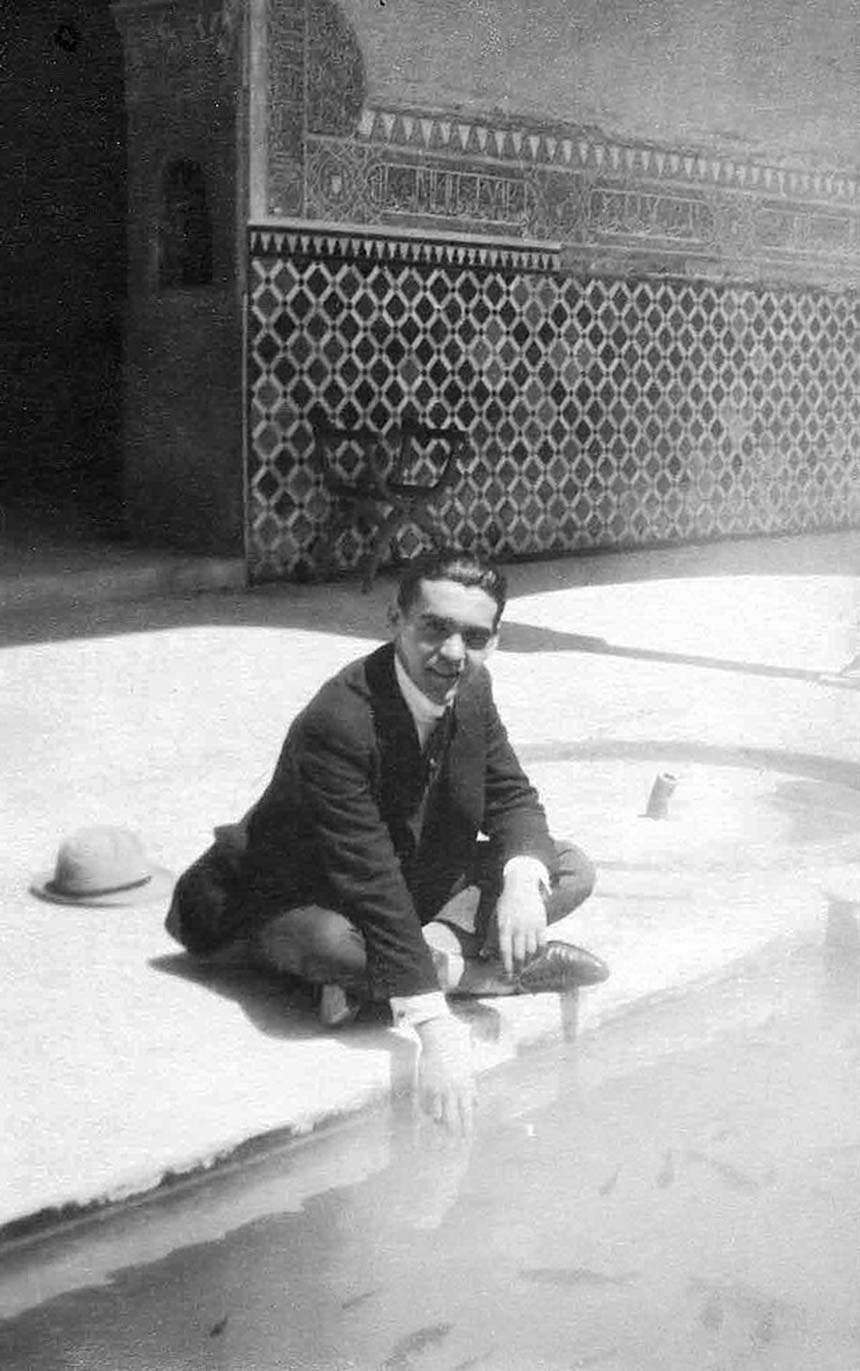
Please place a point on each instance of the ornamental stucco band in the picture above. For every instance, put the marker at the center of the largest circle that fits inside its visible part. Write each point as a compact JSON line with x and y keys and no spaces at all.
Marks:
{"x":351,"y":241}
{"x":689,"y":224}
{"x":616,"y":206}
{"x":583,"y":150}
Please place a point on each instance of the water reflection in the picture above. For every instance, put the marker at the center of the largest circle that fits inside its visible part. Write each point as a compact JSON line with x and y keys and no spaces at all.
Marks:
{"x":677,"y":1190}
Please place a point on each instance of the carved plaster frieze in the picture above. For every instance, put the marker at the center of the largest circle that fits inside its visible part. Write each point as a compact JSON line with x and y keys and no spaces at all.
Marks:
{"x":335,"y":70}
{"x":611,"y":205}
{"x":591,"y":216}
{"x":586,"y":151}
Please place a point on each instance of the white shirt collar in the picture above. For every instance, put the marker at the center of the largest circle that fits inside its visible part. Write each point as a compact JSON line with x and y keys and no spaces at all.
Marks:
{"x":424,"y":711}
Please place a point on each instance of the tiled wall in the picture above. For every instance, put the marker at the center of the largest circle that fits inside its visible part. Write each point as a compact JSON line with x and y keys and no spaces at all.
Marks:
{"x":601,"y":412}
{"x":665,"y":350}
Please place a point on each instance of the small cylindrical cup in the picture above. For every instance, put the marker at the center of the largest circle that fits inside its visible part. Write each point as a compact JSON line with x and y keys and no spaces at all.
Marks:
{"x":661,"y":792}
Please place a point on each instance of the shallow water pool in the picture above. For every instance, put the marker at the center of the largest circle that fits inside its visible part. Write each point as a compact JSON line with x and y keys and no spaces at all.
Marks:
{"x":681,"y":1190}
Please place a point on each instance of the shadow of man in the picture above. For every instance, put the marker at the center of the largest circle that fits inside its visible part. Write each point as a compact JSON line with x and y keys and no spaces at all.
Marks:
{"x":284,"y":1007}
{"x":279,"y":1006}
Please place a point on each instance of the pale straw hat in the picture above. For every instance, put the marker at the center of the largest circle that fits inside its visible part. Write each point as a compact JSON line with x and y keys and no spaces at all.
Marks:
{"x":103,"y":866}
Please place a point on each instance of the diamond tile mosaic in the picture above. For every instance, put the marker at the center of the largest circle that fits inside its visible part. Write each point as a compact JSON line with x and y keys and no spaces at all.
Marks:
{"x":601,"y":413}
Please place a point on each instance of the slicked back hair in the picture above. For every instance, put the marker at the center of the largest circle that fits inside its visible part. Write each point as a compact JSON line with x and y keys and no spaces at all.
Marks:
{"x":452,"y":564}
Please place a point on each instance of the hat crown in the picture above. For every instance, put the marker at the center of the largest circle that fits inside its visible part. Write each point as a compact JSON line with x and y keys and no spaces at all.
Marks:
{"x":98,"y":860}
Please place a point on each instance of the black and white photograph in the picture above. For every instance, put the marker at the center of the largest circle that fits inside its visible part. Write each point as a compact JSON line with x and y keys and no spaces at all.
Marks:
{"x":429,"y":671}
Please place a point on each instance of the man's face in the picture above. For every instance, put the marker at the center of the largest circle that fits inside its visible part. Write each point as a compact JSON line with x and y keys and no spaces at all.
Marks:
{"x":448,"y":631}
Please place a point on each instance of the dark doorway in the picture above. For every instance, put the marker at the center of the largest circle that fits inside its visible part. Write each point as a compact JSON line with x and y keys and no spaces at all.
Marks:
{"x":185,"y":229}
{"x":63,"y":264}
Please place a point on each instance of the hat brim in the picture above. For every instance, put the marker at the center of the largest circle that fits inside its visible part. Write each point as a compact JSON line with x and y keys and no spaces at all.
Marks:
{"x":158,"y":887}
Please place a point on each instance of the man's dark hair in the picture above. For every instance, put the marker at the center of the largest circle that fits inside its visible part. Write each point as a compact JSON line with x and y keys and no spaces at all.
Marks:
{"x":452,"y":564}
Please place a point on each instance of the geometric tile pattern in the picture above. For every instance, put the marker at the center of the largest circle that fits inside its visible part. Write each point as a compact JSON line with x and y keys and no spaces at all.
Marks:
{"x":600,"y":412}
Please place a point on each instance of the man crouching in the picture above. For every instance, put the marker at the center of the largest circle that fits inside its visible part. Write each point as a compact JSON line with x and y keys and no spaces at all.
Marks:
{"x":397,"y":800}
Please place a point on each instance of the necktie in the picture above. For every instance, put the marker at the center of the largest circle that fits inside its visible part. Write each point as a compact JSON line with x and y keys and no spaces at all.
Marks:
{"x":434,"y":748}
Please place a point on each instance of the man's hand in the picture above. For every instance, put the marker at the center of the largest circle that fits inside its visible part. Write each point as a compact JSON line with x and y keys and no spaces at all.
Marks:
{"x":521,"y":920}
{"x":446,"y":1083}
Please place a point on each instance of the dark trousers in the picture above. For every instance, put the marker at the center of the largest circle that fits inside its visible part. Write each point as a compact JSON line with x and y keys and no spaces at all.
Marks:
{"x":323,"y":946}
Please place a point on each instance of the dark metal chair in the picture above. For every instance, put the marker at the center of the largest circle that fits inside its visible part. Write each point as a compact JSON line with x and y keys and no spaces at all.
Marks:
{"x":381,"y":497}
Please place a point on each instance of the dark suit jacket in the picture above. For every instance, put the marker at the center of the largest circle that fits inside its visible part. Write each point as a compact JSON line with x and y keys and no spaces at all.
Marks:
{"x":357,"y":819}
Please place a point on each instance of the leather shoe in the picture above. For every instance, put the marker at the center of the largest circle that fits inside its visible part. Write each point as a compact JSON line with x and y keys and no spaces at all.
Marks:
{"x":561,"y":966}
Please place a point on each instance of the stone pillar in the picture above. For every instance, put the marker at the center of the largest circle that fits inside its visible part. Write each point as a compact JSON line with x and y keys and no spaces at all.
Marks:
{"x":187,"y":193}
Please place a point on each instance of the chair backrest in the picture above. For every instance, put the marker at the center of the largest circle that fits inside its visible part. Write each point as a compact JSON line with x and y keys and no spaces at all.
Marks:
{"x":329,"y":437}
{"x":381,"y":475}
{"x":412,"y":431}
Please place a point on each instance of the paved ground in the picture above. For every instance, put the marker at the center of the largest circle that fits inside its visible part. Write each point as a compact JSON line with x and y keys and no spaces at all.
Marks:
{"x":121,"y":1063}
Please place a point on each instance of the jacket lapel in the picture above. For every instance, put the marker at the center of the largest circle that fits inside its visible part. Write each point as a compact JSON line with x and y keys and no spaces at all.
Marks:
{"x":400,"y":755}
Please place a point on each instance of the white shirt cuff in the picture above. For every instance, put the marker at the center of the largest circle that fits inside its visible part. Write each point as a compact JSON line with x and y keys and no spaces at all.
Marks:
{"x":411,"y":1010}
{"x":532,"y":865}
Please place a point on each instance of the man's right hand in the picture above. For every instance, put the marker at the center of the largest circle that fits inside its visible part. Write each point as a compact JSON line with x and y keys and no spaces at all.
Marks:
{"x":446,"y":1081}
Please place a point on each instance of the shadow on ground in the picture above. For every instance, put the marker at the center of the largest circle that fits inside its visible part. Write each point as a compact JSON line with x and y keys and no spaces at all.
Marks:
{"x":279,"y":1006}
{"x":814,"y":766}
{"x":284,"y":1007}
{"x":364,"y":621}
{"x":526,"y":638}
{"x":341,"y":608}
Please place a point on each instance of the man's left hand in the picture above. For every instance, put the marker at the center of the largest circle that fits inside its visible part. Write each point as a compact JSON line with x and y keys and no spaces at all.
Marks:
{"x":521,"y":920}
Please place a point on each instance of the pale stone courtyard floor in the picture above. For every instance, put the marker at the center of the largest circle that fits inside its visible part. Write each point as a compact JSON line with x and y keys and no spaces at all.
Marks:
{"x":121,"y":1063}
